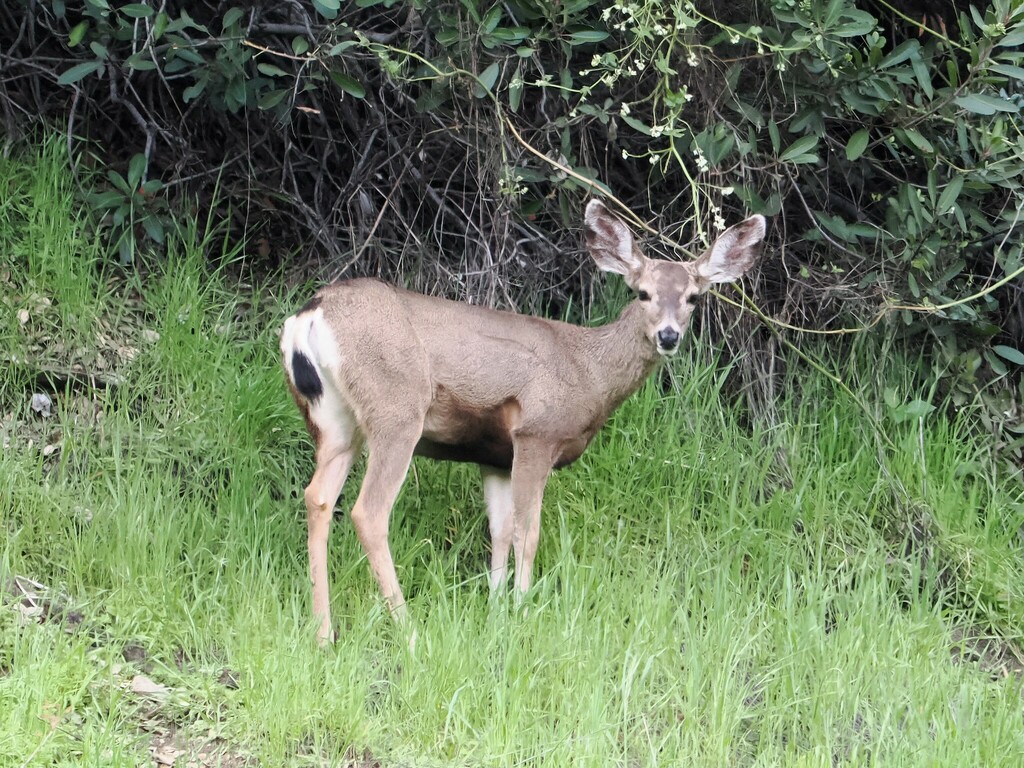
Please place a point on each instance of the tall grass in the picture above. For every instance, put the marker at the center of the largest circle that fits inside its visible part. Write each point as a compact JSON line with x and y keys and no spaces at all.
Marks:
{"x":708,"y":592}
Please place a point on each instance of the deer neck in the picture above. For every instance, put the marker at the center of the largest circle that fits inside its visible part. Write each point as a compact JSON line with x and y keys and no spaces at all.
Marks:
{"x":621,"y":355}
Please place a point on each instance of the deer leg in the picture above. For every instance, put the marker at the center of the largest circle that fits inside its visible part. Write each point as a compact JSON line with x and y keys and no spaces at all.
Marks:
{"x":530,"y":470}
{"x":332,"y":467}
{"x":498,"y":495}
{"x":386,"y":468}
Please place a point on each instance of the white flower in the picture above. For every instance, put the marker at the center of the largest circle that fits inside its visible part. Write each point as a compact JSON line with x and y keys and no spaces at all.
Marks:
{"x":700,"y":160}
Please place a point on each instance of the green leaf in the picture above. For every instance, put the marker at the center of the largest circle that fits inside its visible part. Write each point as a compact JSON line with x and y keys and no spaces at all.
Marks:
{"x":139,"y":62}
{"x":773,"y":133}
{"x":587,"y":36}
{"x":77,"y":33}
{"x":1012,"y":39}
{"x":106,"y":199}
{"x":270,"y":70}
{"x":118,"y":181}
{"x":327,"y":8}
{"x":915,"y":409}
{"x":923,"y":75}
{"x":981,"y":104}
{"x":950,"y":193}
{"x":193,"y":91}
{"x":271,"y":99}
{"x":900,"y":53}
{"x":915,"y":289}
{"x":515,"y":89}
{"x":348,"y":84}
{"x":487,"y":79}
{"x":857,"y":23}
{"x":299,"y":45}
{"x":233,"y":16}
{"x":447,"y":37}
{"x":635,"y":124}
{"x":919,"y":141}
{"x":799,"y":147}
{"x":510,"y":35}
{"x":491,"y":19}
{"x":857,"y":144}
{"x":154,"y":228}
{"x":340,"y":47}
{"x":1017,"y":73}
{"x":79,"y":71}
{"x":1009,"y":353}
{"x":136,"y":170}
{"x":136,"y":10}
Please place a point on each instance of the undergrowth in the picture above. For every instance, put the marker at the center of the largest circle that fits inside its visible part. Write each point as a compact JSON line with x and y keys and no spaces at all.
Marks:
{"x":709,"y":592}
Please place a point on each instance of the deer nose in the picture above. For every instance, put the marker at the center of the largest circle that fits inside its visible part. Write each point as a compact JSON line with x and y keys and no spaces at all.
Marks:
{"x":668,"y":339}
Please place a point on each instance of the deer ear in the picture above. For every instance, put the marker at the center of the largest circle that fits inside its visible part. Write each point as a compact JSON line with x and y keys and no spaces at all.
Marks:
{"x":733,"y":253}
{"x":611,"y":243}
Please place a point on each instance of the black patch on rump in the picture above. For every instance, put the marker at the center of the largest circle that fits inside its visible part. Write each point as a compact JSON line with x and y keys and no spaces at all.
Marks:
{"x":307,"y":380}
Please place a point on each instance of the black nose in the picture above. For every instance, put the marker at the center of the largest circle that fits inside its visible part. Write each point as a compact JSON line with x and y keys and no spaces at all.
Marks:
{"x":668,"y":338}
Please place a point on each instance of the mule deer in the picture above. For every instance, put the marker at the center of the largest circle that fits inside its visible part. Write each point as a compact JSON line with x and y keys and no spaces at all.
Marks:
{"x":405,"y":373}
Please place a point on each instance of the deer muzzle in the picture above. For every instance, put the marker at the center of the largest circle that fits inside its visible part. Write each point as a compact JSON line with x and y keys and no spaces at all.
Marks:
{"x":668,"y":340}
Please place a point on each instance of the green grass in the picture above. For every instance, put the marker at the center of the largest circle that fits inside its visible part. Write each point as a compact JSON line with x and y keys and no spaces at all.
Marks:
{"x":691,"y":608}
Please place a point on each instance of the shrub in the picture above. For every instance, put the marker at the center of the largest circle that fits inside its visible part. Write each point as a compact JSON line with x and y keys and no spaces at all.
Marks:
{"x":451,"y":144}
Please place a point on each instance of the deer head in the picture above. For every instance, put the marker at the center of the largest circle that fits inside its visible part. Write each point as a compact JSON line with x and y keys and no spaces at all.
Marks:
{"x":668,"y":290}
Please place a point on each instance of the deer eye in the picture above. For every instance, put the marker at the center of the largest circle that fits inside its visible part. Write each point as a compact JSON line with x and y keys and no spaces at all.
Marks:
{"x":692,"y":299}
{"x":644,"y":296}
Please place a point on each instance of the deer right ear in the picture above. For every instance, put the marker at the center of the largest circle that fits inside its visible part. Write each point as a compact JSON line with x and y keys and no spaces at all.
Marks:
{"x":611,"y":243}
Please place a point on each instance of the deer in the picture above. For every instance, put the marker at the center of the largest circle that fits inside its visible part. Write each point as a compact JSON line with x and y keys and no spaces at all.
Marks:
{"x":403,"y":374}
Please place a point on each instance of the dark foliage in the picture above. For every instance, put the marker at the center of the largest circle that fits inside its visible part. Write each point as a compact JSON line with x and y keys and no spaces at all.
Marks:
{"x":451,"y":145}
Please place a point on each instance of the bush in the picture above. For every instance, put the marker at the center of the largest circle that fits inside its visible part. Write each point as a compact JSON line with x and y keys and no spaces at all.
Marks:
{"x":450,"y":145}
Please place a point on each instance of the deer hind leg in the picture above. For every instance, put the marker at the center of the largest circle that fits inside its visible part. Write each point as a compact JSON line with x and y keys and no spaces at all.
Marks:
{"x":386,"y":468}
{"x":338,"y":446}
{"x":498,"y":495}
{"x":531,"y":467}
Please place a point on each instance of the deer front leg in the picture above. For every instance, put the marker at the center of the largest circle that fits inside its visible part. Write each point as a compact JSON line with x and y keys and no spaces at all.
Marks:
{"x":498,"y":495}
{"x":332,"y":467}
{"x":531,"y":466}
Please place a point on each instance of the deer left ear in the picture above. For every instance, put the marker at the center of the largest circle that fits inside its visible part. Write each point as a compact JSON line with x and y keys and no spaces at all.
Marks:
{"x":733,"y":253}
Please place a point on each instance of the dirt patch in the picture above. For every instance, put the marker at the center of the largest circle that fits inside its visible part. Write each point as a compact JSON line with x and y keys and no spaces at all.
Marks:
{"x":995,"y":655}
{"x":170,"y":745}
{"x":156,"y":705}
{"x":37,"y":603}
